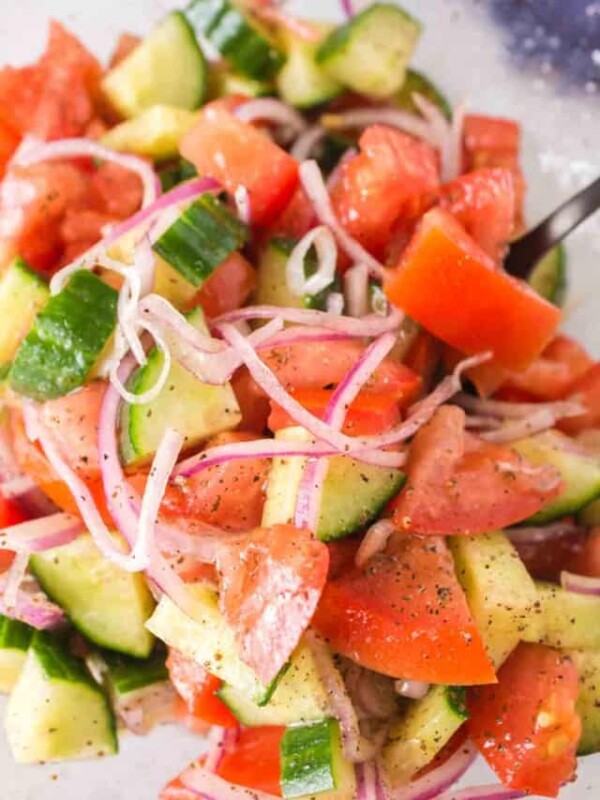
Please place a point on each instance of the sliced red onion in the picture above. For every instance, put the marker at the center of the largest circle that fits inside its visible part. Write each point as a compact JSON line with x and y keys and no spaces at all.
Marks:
{"x":434,"y":783}
{"x":494,"y":792}
{"x":161,"y":311}
{"x":581,"y":584}
{"x":337,"y":172}
{"x":13,"y":578}
{"x":441,"y":130}
{"x":38,"y":535}
{"x":384,"y":115}
{"x":322,"y":240}
{"x":15,"y":487}
{"x":242,"y":204}
{"x":546,"y":533}
{"x":348,"y":9}
{"x":367,"y":327}
{"x":211,"y":787}
{"x":30,"y":605}
{"x":148,"y":707}
{"x":87,"y":148}
{"x":414,"y":690}
{"x":307,"y":141}
{"x":356,"y":291}
{"x":538,"y":422}
{"x":269,"y":109}
{"x":374,"y":541}
{"x":475,"y":422}
{"x":221,"y":742}
{"x":502,"y":408}
{"x":335,"y":303}
{"x":314,"y":186}
{"x":366,"y":777}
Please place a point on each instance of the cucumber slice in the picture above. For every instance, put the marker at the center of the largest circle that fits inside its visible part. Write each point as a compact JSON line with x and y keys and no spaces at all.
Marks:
{"x":568,"y":620}
{"x":549,"y":278}
{"x":175,"y":173}
{"x":22,"y":294}
{"x":312,"y":762}
{"x":353,"y":493}
{"x":426,"y":727}
{"x":15,"y":638}
{"x":272,"y":288}
{"x":588,"y":702}
{"x":109,"y":606}
{"x":167,"y":67}
{"x":200,"y":239}
{"x":370,"y":53}
{"x":298,"y":697}
{"x":500,"y":592}
{"x":417,"y":83}
{"x":127,"y":675}
{"x":56,"y":711}
{"x":67,"y":337}
{"x":237,"y":36}
{"x":580,"y":473}
{"x":197,"y":409}
{"x":224,"y":82}
{"x":301,"y":82}
{"x":154,"y":133}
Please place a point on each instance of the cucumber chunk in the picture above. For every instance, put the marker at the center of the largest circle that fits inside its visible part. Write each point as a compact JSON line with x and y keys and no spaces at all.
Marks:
{"x":418,"y":83}
{"x":67,"y":337}
{"x":588,"y":702}
{"x":549,"y":278}
{"x":237,"y":36}
{"x":370,"y":53}
{"x":224,"y":82}
{"x":200,"y":239}
{"x":15,"y":638}
{"x":313,"y":763}
{"x":154,"y":133}
{"x":108,"y":605}
{"x":22,"y":294}
{"x":425,"y":728}
{"x":353,"y":493}
{"x":301,"y":82}
{"x":580,"y":473}
{"x":500,"y":592}
{"x":56,"y":711}
{"x":167,"y":67}
{"x":198,"y":410}
{"x":567,"y":619}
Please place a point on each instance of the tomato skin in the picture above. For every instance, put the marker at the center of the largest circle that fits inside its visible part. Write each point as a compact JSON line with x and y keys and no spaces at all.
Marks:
{"x":405,"y":615}
{"x":368,"y":415}
{"x":253,"y":402}
{"x":393,"y":176}
{"x":236,"y":153}
{"x":586,"y":389}
{"x":10,"y":514}
{"x":533,"y":753}
{"x":197,"y":688}
{"x":296,"y":219}
{"x":484,"y":203}
{"x":228,"y":287}
{"x":462,"y":303}
{"x":454,"y":485}
{"x":424,"y":357}
{"x":271,"y":582}
{"x":229,"y":495}
{"x":119,"y":190}
{"x":322,"y":365}
{"x":126,"y":44}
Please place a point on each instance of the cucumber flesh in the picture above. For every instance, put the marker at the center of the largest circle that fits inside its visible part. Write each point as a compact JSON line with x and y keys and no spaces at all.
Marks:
{"x":313,"y":763}
{"x":224,"y":82}
{"x":197,"y":409}
{"x":580,"y":473}
{"x":166,"y":68}
{"x":154,"y":133}
{"x":15,"y":638}
{"x":353,"y":493}
{"x":241,"y":40}
{"x":370,"y":53}
{"x":67,"y":338}
{"x":56,"y":711}
{"x":588,"y":702}
{"x":106,"y":604}
{"x":425,"y":728}
{"x":22,"y":294}
{"x":418,"y":83}
{"x":301,"y":82}
{"x":549,"y":278}
{"x":567,"y":619}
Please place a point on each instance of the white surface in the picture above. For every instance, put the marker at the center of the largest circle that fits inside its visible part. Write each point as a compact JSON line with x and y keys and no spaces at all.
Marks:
{"x":465,"y":56}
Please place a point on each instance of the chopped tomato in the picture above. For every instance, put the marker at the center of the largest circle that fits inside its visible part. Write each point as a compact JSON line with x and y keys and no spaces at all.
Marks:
{"x":526,"y":726}
{"x":198,"y":688}
{"x":369,"y":414}
{"x":394,"y":176}
{"x":126,"y":44}
{"x":229,"y":495}
{"x":587,"y":560}
{"x":484,"y":203}
{"x":83,"y":226}
{"x":238,"y":154}
{"x":586,"y":389}
{"x":405,"y":615}
{"x":459,"y":485}
{"x":6,"y":559}
{"x":424,"y":357}
{"x":10,"y":514}
{"x":228,"y":287}
{"x":271,"y":582}
{"x":449,"y":285}
{"x":119,"y":190}
{"x":9,"y":141}
{"x":322,"y":365}
{"x":254,"y":403}
{"x":296,"y":219}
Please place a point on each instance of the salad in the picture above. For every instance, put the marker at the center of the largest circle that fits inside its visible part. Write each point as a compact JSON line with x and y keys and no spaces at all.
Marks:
{"x":286,"y":455}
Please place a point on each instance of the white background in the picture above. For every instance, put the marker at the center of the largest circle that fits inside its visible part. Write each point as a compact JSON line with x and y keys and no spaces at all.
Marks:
{"x":462,"y":52}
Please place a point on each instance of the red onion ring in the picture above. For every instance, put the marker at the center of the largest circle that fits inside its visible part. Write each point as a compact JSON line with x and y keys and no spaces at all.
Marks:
{"x":384,"y":115}
{"x":366,"y":778}
{"x":434,"y":783}
{"x":211,"y":787}
{"x":269,"y":109}
{"x":38,"y":535}
{"x":306,"y":142}
{"x":502,"y":408}
{"x":494,"y":792}
{"x":581,"y":584}
{"x":31,"y":606}
{"x":221,"y":742}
